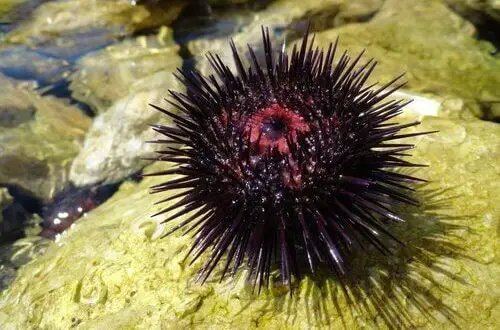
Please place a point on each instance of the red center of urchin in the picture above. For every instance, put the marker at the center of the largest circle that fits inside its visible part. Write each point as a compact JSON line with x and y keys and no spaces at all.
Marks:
{"x":273,"y":127}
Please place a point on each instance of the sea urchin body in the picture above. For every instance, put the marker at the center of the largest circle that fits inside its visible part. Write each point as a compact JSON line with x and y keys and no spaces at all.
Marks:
{"x":286,"y":164}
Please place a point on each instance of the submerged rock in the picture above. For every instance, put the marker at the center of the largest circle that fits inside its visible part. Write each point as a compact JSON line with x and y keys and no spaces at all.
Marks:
{"x":129,"y":76}
{"x":15,"y":221}
{"x":5,"y":200}
{"x":105,"y":76}
{"x":69,"y":29}
{"x":117,"y":139}
{"x":7,"y":5}
{"x":65,"y":17}
{"x":23,"y":63}
{"x":433,"y":45}
{"x":278,"y":16}
{"x":39,"y":137}
{"x":17,"y":254}
{"x":113,"y":270}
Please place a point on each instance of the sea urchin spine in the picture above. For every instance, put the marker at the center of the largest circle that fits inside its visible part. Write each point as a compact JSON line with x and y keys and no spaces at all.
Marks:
{"x":289,"y":163}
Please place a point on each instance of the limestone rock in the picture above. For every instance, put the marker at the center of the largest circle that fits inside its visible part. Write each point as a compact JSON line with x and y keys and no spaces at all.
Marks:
{"x":113,"y":270}
{"x":14,"y":255}
{"x":117,"y":139}
{"x":278,"y":16}
{"x":120,"y":82}
{"x":105,"y":76}
{"x":433,"y":45}
{"x":39,"y":137}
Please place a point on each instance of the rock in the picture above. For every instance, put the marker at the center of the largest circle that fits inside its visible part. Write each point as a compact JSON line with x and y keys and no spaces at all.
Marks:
{"x":435,"y":47}
{"x":65,"y":17}
{"x":279,"y":16}
{"x":39,"y":137}
{"x":7,"y":6}
{"x":105,"y":76}
{"x":17,"y":223}
{"x":474,"y":7}
{"x":113,"y":270}
{"x":62,"y":29}
{"x":20,"y":62}
{"x":117,"y":139}
{"x":485,"y":15}
{"x":123,"y":80}
{"x":14,"y":255}
{"x":5,"y":200}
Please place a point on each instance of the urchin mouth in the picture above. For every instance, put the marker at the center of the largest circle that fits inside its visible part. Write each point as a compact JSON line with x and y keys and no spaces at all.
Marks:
{"x":274,"y":127}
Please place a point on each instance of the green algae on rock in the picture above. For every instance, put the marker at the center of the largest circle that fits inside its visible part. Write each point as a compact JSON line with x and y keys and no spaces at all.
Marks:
{"x":7,"y":5}
{"x":278,"y":15}
{"x":27,"y":64}
{"x":5,"y":200}
{"x":17,"y":254}
{"x":113,"y":270}
{"x":107,"y":75}
{"x":39,"y":138}
{"x":116,"y":141}
{"x":433,"y":45}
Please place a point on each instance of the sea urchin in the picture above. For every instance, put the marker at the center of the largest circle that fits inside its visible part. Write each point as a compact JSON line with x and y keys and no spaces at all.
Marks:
{"x":289,"y":163}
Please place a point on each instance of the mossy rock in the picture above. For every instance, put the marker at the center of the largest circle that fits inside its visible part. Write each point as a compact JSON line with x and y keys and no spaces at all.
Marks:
{"x":434,"y":46}
{"x":112,"y":270}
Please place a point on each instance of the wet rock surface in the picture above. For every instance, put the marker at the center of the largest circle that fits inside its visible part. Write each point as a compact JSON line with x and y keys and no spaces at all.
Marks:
{"x":117,"y":139}
{"x":7,"y":7}
{"x":13,"y":256}
{"x":5,"y":200}
{"x":112,"y":268}
{"x":39,"y":137}
{"x":128,"y":77}
{"x":63,"y":30}
{"x":433,"y":45}
{"x":105,"y":76}
{"x":22,"y":63}
{"x":484,"y":14}
{"x":278,"y":16}
{"x":117,"y":17}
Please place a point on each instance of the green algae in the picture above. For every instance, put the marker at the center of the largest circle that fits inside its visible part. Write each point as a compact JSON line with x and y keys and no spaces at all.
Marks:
{"x":5,"y":200}
{"x":120,"y":81}
{"x":112,"y":270}
{"x":5,"y":8}
{"x":39,"y":137}
{"x":434,"y":46}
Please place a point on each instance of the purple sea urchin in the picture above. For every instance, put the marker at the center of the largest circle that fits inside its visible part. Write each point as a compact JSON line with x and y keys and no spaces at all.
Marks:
{"x":284,"y":162}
